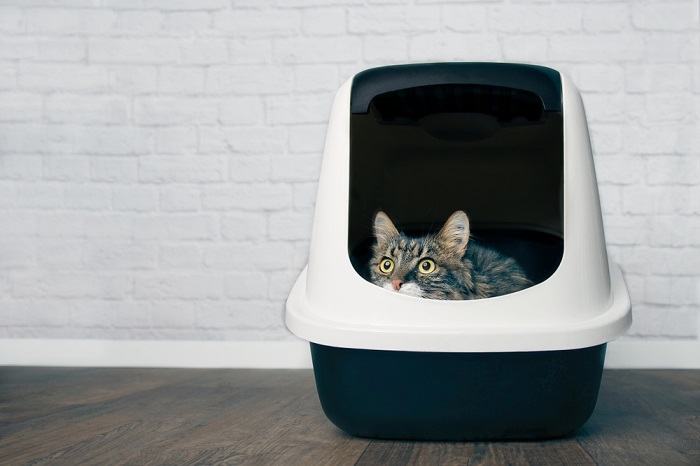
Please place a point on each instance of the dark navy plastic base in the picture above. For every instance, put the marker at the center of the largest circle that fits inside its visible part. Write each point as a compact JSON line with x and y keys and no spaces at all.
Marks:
{"x":457,"y":396}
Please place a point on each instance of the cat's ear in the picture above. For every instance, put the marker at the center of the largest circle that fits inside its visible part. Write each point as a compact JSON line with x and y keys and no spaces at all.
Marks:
{"x":454,"y":234}
{"x":384,"y":228}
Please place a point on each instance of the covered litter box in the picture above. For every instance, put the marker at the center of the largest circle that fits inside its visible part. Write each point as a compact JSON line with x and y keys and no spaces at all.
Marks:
{"x":508,"y":144}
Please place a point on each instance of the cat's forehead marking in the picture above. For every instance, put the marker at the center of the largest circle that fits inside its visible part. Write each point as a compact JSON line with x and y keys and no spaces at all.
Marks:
{"x":406,"y":250}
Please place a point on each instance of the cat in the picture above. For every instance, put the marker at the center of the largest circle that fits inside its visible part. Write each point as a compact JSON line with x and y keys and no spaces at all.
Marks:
{"x":444,"y":265}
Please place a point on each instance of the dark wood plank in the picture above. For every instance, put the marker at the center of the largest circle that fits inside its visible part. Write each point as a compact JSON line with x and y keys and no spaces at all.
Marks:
{"x":645,"y":418}
{"x":30,"y":393}
{"x":166,"y":416}
{"x":555,"y":452}
{"x":210,"y":416}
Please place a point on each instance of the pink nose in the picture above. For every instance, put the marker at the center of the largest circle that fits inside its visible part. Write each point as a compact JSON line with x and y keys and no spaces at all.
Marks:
{"x":396,"y":284}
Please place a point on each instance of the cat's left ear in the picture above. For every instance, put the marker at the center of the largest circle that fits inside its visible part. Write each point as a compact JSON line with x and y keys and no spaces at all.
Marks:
{"x":454,"y":234}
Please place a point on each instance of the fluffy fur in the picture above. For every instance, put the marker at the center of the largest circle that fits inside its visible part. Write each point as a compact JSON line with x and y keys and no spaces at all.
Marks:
{"x":463,"y":270}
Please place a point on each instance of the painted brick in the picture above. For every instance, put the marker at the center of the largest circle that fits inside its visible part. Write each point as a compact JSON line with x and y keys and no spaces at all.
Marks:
{"x":115,"y":255}
{"x":52,"y":77}
{"x":387,"y":19}
{"x":185,"y":286}
{"x":452,"y":46}
{"x":605,"y":17}
{"x":87,"y":197}
{"x":180,"y":256}
{"x":665,"y":16}
{"x":120,"y":50}
{"x":132,"y":79}
{"x":139,"y":22}
{"x":656,"y":199}
{"x":159,"y":159}
{"x":256,"y":23}
{"x":179,"y":199}
{"x":296,"y":168}
{"x":12,"y":20}
{"x":258,"y":140}
{"x":643,"y":140}
{"x":241,"y":110}
{"x":464,"y":18}
{"x":69,"y":21}
{"x":385,"y":48}
{"x":524,"y":47}
{"x":243,"y":226}
{"x":673,"y":170}
{"x":66,"y":168}
{"x":619,"y":169}
{"x":182,"y":169}
{"x":281,"y":110}
{"x":311,"y":50}
{"x":72,"y":285}
{"x":305,"y":195}
{"x":314,"y":78}
{"x":62,"y":108}
{"x":307,"y":138}
{"x":114,"y":169}
{"x":60,"y":254}
{"x":290,"y":225}
{"x":178,"y":227}
{"x":648,"y":78}
{"x":324,"y":21}
{"x":250,"y":51}
{"x":39,"y":196}
{"x":175,"y":111}
{"x":204,"y":51}
{"x":8,"y":77}
{"x":675,"y":230}
{"x":248,"y":79}
{"x":596,"y":48}
{"x":251,"y":168}
{"x":248,"y":285}
{"x":256,"y":256}
{"x":189,"y":21}
{"x":18,"y":254}
{"x":181,"y":140}
{"x":20,"y":167}
{"x":181,"y":80}
{"x":20,"y":106}
{"x":536,"y":18}
{"x":134,"y":198}
{"x":599,"y":78}
{"x":248,"y":197}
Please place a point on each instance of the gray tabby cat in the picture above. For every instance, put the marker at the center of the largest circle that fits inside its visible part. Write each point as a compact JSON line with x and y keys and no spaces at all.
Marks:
{"x":440,"y":266}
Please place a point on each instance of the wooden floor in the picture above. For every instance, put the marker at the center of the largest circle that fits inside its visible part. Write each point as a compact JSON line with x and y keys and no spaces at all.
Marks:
{"x":164,"y":416}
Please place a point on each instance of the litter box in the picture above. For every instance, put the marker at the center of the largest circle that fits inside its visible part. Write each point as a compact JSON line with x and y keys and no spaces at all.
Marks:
{"x":508,"y":144}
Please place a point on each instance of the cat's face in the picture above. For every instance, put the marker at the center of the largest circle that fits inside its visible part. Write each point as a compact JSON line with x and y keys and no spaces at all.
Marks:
{"x":427,"y":267}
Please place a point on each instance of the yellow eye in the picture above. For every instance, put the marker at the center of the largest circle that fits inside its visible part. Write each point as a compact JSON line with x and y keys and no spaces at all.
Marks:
{"x":426,"y":266}
{"x":386,"y":265}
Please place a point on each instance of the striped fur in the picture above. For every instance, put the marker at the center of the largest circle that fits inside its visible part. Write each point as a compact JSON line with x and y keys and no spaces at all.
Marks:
{"x":464,"y":270}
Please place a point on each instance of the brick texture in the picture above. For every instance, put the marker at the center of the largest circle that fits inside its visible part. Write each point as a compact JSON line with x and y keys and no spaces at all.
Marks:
{"x":159,"y":159}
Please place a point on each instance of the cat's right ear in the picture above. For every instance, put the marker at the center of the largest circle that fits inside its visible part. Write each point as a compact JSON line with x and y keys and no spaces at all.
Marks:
{"x":384,"y":228}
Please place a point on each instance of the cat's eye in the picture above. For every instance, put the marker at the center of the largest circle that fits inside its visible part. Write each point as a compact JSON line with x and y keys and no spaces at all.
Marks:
{"x":426,"y":266}
{"x":386,"y":265}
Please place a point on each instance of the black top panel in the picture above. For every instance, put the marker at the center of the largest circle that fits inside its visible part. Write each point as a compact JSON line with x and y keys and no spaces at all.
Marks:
{"x":544,"y":82}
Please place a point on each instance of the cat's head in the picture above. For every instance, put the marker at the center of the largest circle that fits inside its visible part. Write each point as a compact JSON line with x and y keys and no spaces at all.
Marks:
{"x":430,"y":266}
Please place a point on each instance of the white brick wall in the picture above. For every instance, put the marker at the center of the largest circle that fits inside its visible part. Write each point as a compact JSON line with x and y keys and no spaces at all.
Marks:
{"x":158,"y":158}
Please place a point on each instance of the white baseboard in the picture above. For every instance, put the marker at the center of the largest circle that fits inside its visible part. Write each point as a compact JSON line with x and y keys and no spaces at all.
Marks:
{"x":653,"y":354}
{"x":294,"y":354}
{"x":149,"y":353}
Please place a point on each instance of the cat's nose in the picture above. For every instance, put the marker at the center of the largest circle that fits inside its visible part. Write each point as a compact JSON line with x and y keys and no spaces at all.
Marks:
{"x":396,"y":284}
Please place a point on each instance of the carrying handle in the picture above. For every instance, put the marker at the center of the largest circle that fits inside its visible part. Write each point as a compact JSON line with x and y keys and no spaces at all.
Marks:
{"x":545,"y":82}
